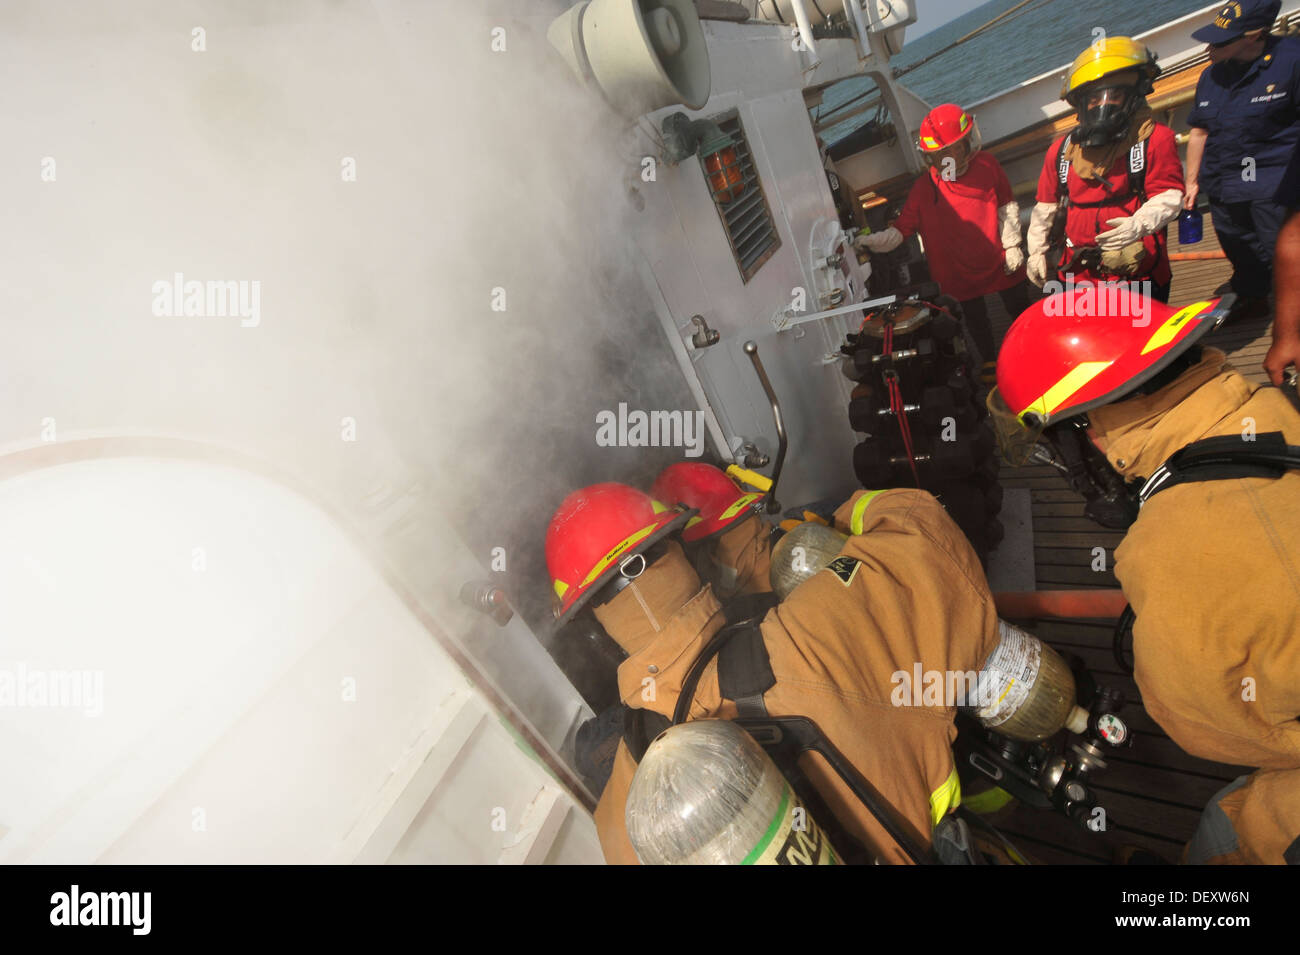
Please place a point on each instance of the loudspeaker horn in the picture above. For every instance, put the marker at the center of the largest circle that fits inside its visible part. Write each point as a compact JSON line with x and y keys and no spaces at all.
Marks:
{"x":642,"y":54}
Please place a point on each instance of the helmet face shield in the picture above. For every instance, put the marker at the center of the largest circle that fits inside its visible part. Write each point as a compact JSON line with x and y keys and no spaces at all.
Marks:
{"x":1017,"y":440}
{"x":955,"y":157}
{"x":1105,"y":108}
{"x":1108,"y":97}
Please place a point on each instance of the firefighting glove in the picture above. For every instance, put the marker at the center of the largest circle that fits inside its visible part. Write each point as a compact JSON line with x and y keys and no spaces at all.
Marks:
{"x":1156,"y":213}
{"x":1037,"y":268}
{"x":1123,"y":231}
{"x":1009,"y":235}
{"x":1040,"y":228}
{"x":885,"y":241}
{"x":1124,"y":261}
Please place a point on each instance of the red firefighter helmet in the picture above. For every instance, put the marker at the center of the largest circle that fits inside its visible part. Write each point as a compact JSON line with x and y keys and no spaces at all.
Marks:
{"x":1060,"y":359}
{"x":944,"y":129}
{"x":707,"y":489}
{"x":594,"y":530}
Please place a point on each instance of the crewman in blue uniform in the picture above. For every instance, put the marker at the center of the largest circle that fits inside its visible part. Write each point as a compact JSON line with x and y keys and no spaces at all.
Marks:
{"x":1245,"y":126}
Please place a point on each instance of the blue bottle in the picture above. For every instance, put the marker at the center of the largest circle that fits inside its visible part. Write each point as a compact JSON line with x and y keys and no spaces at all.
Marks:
{"x":1191,"y":227}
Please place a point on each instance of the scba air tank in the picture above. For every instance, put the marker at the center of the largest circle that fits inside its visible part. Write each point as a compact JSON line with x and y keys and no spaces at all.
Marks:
{"x":706,"y":794}
{"x":1026,"y":691}
{"x":801,"y":553}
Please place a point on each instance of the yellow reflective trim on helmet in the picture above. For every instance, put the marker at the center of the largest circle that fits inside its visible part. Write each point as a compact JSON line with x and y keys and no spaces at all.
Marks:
{"x":739,"y":506}
{"x":963,"y":123}
{"x":1170,"y":329}
{"x":929,"y":143}
{"x":1060,"y":392}
{"x":945,"y":799}
{"x":561,"y":588}
{"x":616,"y":551}
{"x":860,"y":507}
{"x":657,"y":507}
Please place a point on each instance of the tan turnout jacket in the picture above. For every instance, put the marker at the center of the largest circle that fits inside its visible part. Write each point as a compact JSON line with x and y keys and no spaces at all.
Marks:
{"x":913,"y":593}
{"x":1212,"y":570}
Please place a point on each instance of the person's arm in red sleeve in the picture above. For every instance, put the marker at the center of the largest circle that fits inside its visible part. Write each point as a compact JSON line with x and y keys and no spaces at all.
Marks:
{"x":1164,"y":168}
{"x":1043,"y":217}
{"x":908,"y":221}
{"x":1048,"y":177}
{"x":1164,"y":189}
{"x":1013,"y":257}
{"x":1001,"y":184}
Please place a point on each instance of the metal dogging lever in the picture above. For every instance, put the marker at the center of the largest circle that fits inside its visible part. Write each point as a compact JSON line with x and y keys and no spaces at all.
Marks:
{"x":751,"y":350}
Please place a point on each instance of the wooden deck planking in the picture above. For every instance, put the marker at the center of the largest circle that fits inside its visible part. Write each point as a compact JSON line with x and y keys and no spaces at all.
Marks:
{"x":1153,"y":792}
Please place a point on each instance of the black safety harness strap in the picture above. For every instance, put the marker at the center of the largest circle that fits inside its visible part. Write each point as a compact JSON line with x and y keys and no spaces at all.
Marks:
{"x":1137,"y":176}
{"x":786,"y":738}
{"x":744,"y":675}
{"x":747,"y":665}
{"x":744,"y":672}
{"x":1222,"y":459}
{"x":1058,"y":245}
{"x":1212,"y":459}
{"x":640,"y":727}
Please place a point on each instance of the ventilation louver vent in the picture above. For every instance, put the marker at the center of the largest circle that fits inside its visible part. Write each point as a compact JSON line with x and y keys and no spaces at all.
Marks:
{"x":742,"y":206}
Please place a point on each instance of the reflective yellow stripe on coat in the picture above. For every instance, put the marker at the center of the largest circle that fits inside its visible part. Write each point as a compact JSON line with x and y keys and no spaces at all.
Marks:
{"x":945,"y":799}
{"x":860,"y":508}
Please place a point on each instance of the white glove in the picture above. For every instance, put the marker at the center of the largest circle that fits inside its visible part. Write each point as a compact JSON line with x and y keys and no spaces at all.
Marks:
{"x":1123,"y":231}
{"x":1014,"y":259}
{"x":1009,"y":224}
{"x":1160,"y":210}
{"x":1156,"y":213}
{"x":1038,"y":269}
{"x":1040,"y":227}
{"x":885,"y":241}
{"x":1009,"y":235}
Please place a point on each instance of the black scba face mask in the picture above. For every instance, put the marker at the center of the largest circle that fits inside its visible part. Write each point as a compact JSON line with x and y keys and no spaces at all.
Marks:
{"x":1111,"y":502}
{"x":1108,"y":121}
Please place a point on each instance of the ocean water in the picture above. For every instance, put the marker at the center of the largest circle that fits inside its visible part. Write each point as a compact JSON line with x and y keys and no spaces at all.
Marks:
{"x":1042,"y":36}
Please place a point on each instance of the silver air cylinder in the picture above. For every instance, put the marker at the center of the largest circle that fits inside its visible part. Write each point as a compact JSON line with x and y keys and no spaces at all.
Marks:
{"x":801,"y":553}
{"x":706,"y":794}
{"x":1026,"y":690}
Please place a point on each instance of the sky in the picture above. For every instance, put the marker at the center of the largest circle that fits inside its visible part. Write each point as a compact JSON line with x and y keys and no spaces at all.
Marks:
{"x":932,"y":14}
